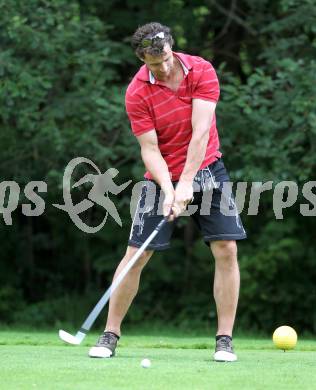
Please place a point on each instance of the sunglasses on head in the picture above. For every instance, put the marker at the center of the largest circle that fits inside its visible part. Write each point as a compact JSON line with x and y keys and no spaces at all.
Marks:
{"x":147,"y":42}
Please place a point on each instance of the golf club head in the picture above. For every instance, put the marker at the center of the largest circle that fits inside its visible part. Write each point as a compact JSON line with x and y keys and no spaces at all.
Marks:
{"x":70,"y":339}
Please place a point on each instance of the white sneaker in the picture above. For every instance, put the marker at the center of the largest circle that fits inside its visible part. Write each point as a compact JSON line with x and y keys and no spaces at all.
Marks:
{"x":224,"y":351}
{"x":100,"y":352}
{"x":105,"y":346}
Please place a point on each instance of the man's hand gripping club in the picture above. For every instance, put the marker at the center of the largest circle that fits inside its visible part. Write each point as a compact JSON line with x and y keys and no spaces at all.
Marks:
{"x":176,"y":200}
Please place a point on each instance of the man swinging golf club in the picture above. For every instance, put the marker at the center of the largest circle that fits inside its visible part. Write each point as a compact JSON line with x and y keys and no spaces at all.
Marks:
{"x":171,"y":106}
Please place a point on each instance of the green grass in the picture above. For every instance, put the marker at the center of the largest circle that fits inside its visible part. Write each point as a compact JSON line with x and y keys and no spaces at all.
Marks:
{"x":38,"y":360}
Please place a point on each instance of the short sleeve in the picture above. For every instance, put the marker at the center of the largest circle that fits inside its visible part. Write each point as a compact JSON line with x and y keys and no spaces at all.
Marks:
{"x":207,"y":85}
{"x":138,"y":114}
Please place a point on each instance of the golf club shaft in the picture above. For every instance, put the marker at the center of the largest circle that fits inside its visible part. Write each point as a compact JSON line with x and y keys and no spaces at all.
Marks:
{"x":106,"y":296}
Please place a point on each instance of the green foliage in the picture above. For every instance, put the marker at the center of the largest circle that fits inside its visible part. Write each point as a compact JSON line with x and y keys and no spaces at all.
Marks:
{"x":10,"y":302}
{"x":60,"y":91}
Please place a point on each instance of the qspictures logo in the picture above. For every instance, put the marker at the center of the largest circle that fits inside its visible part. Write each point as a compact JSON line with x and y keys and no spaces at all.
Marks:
{"x":104,"y":187}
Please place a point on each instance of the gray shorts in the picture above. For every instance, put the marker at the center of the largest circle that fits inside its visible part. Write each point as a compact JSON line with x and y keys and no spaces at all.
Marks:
{"x":213,"y":210}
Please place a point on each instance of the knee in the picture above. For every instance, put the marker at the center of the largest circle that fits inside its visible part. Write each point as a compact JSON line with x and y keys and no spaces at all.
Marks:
{"x":143,"y":259}
{"x":226,"y":249}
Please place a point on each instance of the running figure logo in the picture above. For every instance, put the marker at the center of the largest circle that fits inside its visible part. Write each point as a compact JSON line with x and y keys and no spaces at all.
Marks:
{"x":103,"y":184}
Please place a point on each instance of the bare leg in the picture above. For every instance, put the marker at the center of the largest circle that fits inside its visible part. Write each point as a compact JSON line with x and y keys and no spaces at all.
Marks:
{"x":226,"y":284}
{"x":124,"y":294}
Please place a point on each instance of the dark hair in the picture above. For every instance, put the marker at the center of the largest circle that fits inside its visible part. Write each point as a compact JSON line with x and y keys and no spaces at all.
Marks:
{"x":147,"y":32}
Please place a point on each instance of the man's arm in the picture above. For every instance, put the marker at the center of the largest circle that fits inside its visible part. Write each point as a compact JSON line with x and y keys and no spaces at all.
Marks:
{"x":202,"y":116}
{"x":157,"y":166}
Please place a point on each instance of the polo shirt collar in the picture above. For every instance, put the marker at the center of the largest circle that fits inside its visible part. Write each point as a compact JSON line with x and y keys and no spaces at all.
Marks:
{"x":145,"y":74}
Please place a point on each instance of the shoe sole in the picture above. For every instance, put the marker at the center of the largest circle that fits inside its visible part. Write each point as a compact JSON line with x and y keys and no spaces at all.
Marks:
{"x":100,"y":352}
{"x":223,"y":356}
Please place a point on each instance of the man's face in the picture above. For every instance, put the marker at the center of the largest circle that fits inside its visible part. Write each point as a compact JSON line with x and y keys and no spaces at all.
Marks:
{"x":161,"y":66}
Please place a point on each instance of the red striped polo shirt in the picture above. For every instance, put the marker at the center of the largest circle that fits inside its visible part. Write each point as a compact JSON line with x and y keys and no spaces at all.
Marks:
{"x":153,"y":106}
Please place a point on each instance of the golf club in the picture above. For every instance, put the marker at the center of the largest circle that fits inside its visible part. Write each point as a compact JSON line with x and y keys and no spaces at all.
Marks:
{"x":81,"y":334}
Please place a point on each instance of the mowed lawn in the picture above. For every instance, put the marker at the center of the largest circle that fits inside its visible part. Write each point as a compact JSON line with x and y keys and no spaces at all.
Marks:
{"x":39,"y":360}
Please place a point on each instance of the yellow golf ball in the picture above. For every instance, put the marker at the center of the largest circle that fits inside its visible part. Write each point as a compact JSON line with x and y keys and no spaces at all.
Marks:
{"x":284,"y":337}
